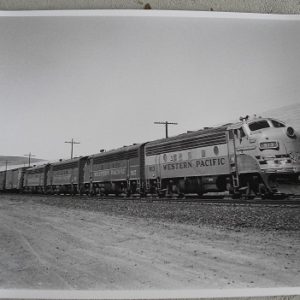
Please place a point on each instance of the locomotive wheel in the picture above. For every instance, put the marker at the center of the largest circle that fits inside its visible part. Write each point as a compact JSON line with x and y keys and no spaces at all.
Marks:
{"x":236,"y":195}
{"x":262,"y":191}
{"x":181,"y":195}
{"x":91,"y":192}
{"x":248,"y":190}
{"x":175,"y":191}
{"x":127,"y":192}
{"x":161,"y":193}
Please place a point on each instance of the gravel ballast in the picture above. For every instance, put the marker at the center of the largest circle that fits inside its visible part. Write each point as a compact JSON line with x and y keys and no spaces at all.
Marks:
{"x":229,"y":216}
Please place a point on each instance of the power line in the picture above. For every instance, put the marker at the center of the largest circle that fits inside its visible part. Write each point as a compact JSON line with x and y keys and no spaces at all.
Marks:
{"x":72,"y":142}
{"x":166,"y":123}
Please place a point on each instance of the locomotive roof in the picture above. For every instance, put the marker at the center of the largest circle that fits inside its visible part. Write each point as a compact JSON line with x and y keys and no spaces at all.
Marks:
{"x":36,"y":167}
{"x":15,"y":169}
{"x":251,"y":120}
{"x":123,"y":149}
{"x":67,"y":161}
{"x":187,"y":135}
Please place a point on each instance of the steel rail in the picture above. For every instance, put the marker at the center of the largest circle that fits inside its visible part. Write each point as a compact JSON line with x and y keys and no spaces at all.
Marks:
{"x":291,"y":200}
{"x":217,"y":200}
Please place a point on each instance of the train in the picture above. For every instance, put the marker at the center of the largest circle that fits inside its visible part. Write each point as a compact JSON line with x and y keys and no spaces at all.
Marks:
{"x":247,"y":158}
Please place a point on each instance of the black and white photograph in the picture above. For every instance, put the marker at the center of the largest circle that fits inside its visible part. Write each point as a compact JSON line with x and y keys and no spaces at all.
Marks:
{"x":149,"y":150}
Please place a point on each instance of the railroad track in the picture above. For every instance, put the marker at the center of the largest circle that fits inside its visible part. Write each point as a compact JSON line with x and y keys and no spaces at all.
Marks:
{"x":218,"y":201}
{"x":293,"y":200}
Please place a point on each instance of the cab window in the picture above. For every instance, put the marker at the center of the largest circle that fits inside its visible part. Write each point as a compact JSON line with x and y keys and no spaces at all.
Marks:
{"x":277,"y":124}
{"x":259,"y":125}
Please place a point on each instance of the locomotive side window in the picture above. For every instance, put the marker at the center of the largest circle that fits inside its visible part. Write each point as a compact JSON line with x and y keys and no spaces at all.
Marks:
{"x":277,"y":124}
{"x":259,"y":125}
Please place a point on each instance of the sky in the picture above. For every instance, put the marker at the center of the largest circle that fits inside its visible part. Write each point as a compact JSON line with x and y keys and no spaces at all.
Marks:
{"x":104,"y":80}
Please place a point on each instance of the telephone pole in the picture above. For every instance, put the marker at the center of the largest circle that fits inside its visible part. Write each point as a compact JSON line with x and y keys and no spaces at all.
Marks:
{"x":6,"y":162}
{"x":72,"y":142}
{"x":166,"y":123}
{"x":29,"y":155}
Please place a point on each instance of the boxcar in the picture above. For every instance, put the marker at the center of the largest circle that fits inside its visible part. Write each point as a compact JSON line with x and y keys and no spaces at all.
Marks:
{"x":14,"y":179}
{"x":35,"y":179}
{"x":65,"y":176}
{"x":116,"y":171}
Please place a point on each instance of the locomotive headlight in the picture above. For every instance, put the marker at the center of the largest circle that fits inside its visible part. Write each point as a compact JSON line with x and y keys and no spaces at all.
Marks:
{"x":290,"y":132}
{"x":269,"y":145}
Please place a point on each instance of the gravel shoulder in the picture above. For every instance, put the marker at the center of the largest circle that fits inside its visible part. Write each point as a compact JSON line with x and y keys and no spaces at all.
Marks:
{"x":49,"y":244}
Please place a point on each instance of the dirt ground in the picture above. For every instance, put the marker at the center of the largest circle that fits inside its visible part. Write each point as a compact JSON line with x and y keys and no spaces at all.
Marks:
{"x":50,"y":247}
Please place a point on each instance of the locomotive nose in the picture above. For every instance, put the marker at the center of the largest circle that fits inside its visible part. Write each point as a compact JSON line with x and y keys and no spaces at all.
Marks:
{"x":279,"y":141}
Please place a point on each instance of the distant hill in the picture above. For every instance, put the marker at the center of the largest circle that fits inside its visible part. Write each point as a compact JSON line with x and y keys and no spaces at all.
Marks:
{"x":18,"y":161}
{"x":289,"y":114}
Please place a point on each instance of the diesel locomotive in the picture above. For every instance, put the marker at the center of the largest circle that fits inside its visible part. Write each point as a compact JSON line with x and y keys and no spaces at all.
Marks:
{"x":251,"y":157}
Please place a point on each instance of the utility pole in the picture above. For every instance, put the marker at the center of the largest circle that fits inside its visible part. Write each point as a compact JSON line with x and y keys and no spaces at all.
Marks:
{"x":72,"y":142}
{"x":29,"y":156}
{"x":166,"y":123}
{"x":6,"y":164}
{"x":5,"y":174}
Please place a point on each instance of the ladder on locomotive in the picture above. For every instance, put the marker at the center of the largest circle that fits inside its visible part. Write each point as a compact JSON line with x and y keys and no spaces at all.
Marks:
{"x":233,"y":163}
